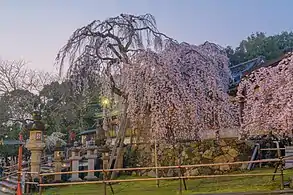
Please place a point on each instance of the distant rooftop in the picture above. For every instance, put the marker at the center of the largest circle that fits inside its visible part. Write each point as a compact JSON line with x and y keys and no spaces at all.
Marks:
{"x":239,"y":70}
{"x":88,"y":131}
{"x":243,"y":69}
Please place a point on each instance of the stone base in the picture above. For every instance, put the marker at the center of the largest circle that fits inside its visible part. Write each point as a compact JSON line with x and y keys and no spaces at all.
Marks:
{"x":75,"y":179}
{"x":90,"y":177}
{"x":57,"y":181}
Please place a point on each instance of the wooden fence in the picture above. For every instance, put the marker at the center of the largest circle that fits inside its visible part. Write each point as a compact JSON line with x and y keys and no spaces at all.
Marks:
{"x":180,"y":169}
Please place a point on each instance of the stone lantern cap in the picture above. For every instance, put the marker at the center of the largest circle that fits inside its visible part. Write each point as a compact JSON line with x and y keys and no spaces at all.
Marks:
{"x":36,"y":124}
{"x":58,"y":146}
{"x":104,"y":149}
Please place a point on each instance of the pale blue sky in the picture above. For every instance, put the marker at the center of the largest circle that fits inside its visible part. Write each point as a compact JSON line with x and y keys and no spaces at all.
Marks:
{"x":36,"y":29}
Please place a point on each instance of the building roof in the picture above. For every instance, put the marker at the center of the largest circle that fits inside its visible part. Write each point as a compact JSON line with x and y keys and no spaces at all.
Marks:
{"x":89,"y":131}
{"x":10,"y":142}
{"x":241,"y":69}
{"x":249,"y":67}
{"x":269,"y":63}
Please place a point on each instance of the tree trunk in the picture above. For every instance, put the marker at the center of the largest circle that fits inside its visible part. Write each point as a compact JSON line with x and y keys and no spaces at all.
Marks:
{"x":119,"y":143}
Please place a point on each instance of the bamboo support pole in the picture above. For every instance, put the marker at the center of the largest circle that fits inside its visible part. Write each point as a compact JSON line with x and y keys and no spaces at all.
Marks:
{"x":282,"y":173}
{"x":156,"y":164}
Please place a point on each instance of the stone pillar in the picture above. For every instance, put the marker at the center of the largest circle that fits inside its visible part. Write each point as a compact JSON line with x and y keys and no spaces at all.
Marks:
{"x":75,"y":158}
{"x":105,"y":158}
{"x":36,"y":143}
{"x":91,"y":161}
{"x":96,"y":151}
{"x":35,"y":162}
{"x":58,"y":162}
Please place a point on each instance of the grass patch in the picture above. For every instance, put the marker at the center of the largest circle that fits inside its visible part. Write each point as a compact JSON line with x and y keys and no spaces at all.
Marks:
{"x":195,"y":186}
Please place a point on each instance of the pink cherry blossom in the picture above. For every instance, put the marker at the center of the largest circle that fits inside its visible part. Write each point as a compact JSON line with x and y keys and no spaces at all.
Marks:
{"x":181,"y":91}
{"x":267,"y":95}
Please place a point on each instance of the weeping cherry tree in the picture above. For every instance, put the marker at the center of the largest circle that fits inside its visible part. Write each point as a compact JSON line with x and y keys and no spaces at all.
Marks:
{"x":105,"y":51}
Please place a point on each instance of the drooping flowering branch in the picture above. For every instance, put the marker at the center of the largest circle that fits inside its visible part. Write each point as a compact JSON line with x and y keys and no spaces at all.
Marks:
{"x":181,"y":92}
{"x":268,"y":105}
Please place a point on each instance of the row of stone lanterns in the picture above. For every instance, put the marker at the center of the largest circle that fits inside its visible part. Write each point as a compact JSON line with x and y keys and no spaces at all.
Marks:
{"x":91,"y":155}
{"x":36,"y":145}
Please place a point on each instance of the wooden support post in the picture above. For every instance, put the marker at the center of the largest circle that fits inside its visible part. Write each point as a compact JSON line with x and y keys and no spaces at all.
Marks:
{"x":105,"y":183}
{"x":275,"y":171}
{"x":104,"y":180}
{"x":180,"y":181}
{"x":184,"y":181}
{"x":282,"y":173}
{"x":156,"y":164}
{"x":40,"y":186}
{"x":119,"y":143}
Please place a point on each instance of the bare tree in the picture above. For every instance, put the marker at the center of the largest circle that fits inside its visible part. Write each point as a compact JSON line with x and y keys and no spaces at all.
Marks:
{"x":36,"y":80}
{"x":11,"y":75}
{"x":14,"y":75}
{"x":102,"y":50}
{"x":19,"y":90}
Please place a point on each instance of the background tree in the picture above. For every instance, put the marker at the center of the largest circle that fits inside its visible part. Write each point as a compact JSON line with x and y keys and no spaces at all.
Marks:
{"x":22,"y":90}
{"x":258,"y":44}
{"x":64,"y":110}
{"x":19,"y":89}
{"x":14,"y":75}
{"x":52,"y":139}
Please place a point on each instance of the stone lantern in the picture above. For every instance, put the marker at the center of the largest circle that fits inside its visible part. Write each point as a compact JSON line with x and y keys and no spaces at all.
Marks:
{"x":36,"y":143}
{"x":75,"y":158}
{"x":91,"y":156}
{"x":57,"y":161}
{"x":105,"y":156}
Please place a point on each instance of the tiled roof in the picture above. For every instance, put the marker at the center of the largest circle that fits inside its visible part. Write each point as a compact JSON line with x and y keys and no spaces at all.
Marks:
{"x":239,"y":70}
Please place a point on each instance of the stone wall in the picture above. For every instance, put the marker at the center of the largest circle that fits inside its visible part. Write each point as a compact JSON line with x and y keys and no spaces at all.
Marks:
{"x":224,"y":133}
{"x":205,"y":152}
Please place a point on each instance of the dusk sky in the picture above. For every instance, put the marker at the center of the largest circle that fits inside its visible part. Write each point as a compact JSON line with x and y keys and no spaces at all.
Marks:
{"x":34,"y":30}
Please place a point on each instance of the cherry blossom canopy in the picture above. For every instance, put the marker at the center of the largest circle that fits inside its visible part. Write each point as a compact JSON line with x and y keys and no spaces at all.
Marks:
{"x":268,"y":99}
{"x":181,"y":91}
